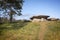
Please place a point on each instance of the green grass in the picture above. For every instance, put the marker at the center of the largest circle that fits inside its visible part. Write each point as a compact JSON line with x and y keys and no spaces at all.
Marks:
{"x":53,"y":32}
{"x":28,"y":32}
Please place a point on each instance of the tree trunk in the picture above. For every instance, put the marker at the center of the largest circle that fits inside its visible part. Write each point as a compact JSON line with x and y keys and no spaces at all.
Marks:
{"x":11,"y":16}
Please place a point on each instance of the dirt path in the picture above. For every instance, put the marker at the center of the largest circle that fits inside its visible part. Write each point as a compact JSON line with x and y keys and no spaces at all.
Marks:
{"x":43,"y":29}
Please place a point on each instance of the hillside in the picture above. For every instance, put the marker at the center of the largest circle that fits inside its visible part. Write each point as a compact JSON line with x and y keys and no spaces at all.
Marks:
{"x":30,"y":31}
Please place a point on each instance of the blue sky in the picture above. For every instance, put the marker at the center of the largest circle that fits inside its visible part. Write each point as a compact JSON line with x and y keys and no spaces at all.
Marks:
{"x":40,"y":7}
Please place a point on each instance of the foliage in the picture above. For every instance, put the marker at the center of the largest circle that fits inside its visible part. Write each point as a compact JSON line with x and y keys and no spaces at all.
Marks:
{"x":14,"y":7}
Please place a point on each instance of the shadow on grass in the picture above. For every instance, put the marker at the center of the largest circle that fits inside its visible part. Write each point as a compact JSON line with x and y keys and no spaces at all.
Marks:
{"x":13,"y":26}
{"x":18,"y":25}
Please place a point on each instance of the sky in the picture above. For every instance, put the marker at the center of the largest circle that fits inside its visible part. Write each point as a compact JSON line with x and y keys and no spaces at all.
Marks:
{"x":40,"y":7}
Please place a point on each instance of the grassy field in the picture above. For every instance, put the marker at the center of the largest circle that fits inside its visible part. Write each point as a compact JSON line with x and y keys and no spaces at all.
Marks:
{"x":53,"y":32}
{"x":29,"y":31}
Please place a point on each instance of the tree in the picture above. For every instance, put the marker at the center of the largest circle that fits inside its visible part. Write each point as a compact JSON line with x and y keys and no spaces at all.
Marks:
{"x":11,"y":7}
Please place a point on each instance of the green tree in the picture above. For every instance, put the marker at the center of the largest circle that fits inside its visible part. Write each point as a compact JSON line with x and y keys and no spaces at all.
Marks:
{"x":11,"y":7}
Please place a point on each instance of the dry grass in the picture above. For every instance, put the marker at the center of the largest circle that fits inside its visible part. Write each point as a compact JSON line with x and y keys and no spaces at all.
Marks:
{"x":31,"y":31}
{"x":28,"y":32}
{"x":53,"y":32}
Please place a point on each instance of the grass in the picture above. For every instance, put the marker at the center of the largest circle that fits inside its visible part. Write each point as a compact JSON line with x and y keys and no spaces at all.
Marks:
{"x":53,"y":32}
{"x":29,"y":31}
